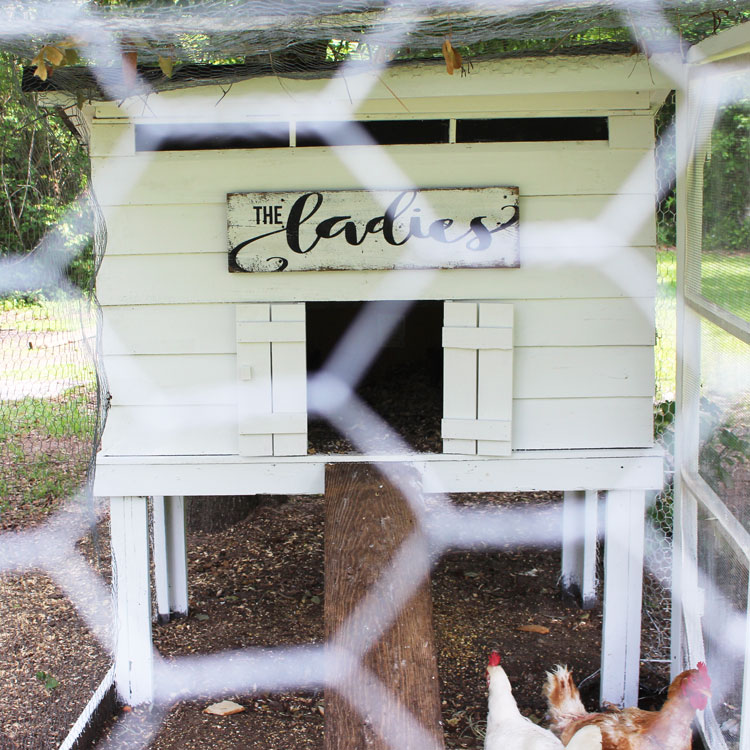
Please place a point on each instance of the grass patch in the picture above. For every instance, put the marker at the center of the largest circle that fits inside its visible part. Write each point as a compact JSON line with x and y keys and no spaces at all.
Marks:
{"x":725,"y":280}
{"x":35,"y":483}
{"x":665,"y":351}
{"x":42,"y":368}
{"x":45,"y":451}
{"x":70,"y":416}
{"x":44,"y":315}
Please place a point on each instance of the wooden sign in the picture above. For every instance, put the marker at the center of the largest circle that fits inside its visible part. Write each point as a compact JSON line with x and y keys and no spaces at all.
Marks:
{"x":368,"y":230}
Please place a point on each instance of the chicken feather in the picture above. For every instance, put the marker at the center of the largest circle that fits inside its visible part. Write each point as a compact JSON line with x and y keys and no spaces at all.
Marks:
{"x":630,"y":728}
{"x":508,"y":729}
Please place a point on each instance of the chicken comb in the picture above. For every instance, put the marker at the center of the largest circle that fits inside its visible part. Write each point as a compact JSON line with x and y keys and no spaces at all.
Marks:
{"x":703,"y":674}
{"x":494,"y":659}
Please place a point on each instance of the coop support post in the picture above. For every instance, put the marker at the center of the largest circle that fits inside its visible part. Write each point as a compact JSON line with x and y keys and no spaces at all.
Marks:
{"x":170,"y":557}
{"x":132,"y":595}
{"x":623,"y":587}
{"x":380,"y":615}
{"x":579,"y":537}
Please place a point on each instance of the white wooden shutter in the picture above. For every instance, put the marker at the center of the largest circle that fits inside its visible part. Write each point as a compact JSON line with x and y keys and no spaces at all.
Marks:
{"x":478,"y":378}
{"x":272,"y":379}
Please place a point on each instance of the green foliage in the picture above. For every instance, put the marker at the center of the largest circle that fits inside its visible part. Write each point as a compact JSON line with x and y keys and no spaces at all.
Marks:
{"x":723,"y":447}
{"x":725,"y":279}
{"x":71,"y":417}
{"x":49,"y":681}
{"x":726,"y":220}
{"x":43,"y":169}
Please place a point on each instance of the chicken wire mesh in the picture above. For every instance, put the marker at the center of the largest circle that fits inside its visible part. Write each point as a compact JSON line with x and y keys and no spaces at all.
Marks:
{"x":81,"y":378}
{"x":659,"y":527}
{"x":718,"y":388}
{"x":49,"y":391}
{"x":227,"y":41}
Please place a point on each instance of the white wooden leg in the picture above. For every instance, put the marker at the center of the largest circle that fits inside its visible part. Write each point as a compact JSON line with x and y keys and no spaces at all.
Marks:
{"x":623,"y":586}
{"x":130,"y":577}
{"x":170,"y":557}
{"x":177,"y":555}
{"x":580,"y":533}
{"x":161,"y":566}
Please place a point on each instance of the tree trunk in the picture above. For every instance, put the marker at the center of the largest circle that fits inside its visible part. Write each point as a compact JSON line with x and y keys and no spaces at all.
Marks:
{"x":368,"y":521}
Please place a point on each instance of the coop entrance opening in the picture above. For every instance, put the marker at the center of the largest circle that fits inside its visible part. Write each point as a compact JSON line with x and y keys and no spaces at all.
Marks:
{"x":403,"y":383}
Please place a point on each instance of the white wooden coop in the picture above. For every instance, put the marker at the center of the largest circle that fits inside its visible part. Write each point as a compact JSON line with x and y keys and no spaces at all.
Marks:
{"x":547,"y":361}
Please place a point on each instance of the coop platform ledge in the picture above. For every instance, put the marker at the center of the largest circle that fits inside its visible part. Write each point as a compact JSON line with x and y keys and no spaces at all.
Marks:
{"x":522,"y":471}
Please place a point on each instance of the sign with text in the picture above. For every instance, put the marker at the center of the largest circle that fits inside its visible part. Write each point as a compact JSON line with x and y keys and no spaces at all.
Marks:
{"x":373,"y":230}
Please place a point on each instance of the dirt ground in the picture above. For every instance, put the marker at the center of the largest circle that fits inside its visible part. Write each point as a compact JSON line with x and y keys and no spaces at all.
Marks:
{"x":259,"y":583}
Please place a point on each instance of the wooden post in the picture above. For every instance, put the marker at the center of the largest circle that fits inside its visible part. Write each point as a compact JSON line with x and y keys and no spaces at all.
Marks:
{"x":367,"y":522}
{"x":170,"y":557}
{"x":623,"y":587}
{"x":580,"y":533}
{"x":130,"y":578}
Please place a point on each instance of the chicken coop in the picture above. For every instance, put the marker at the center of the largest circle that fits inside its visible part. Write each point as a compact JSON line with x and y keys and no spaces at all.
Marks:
{"x":455,"y":274}
{"x":507,"y":292}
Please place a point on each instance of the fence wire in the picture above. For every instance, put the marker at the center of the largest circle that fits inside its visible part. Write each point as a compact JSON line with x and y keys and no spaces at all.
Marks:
{"x":53,"y":401}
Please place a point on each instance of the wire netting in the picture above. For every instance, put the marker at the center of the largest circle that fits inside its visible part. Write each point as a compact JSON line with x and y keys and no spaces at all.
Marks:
{"x":222,"y":42}
{"x":53,"y":395}
{"x":49,"y":392}
{"x":657,"y":580}
{"x":718,"y":387}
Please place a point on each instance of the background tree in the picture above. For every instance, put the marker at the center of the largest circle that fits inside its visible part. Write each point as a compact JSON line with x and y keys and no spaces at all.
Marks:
{"x":44,"y":167}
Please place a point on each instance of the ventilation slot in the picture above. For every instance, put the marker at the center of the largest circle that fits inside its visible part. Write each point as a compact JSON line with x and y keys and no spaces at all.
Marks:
{"x":515,"y":129}
{"x":365,"y":133}
{"x":202,"y":136}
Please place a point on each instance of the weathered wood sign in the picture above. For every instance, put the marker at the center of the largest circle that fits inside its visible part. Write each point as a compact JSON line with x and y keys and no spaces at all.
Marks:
{"x":368,"y":230}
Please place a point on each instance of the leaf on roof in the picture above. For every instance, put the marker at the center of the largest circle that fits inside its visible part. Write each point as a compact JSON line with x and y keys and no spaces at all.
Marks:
{"x":448,"y":54}
{"x":166,"y":64}
{"x":129,"y":68}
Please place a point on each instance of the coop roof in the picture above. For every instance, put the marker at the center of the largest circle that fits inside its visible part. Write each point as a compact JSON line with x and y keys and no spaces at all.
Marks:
{"x":186,"y":42}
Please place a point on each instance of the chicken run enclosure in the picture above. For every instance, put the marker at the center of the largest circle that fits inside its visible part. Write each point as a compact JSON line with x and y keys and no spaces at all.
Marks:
{"x":326,"y":267}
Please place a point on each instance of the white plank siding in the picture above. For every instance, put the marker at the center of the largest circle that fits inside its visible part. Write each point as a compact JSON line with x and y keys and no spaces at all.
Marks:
{"x":582,"y":363}
{"x":539,"y":372}
{"x":201,"y":227}
{"x":545,"y":273}
{"x":210,"y":329}
{"x":199,"y":177}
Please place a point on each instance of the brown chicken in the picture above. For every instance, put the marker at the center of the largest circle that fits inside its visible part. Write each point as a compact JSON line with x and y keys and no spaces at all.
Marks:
{"x":631,"y":728}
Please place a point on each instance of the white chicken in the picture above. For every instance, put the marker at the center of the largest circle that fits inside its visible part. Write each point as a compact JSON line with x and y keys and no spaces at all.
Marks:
{"x":508,"y":729}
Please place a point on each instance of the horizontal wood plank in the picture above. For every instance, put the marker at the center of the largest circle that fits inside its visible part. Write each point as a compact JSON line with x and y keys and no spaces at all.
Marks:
{"x":478,"y":338}
{"x":207,"y":177}
{"x":193,"y":228}
{"x":521,"y":471}
{"x":540,"y":372}
{"x":267,"y":477}
{"x":545,"y":273}
{"x":631,"y":131}
{"x":278,"y":422}
{"x":582,"y":423}
{"x":537,"y":424}
{"x":112,"y":139}
{"x":249,"y":332}
{"x":182,"y":379}
{"x":476,"y":429}
{"x":597,"y":80}
{"x":209,"y":328}
{"x":171,"y":430}
{"x":583,"y":372}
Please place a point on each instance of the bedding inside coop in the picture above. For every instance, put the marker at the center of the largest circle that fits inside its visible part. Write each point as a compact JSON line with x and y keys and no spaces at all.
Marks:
{"x":403,"y":383}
